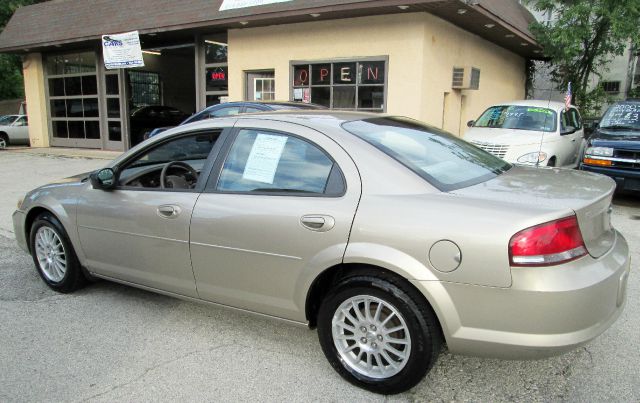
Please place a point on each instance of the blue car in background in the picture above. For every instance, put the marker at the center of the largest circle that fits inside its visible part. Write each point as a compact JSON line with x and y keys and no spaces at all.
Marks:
{"x":614,"y":147}
{"x":235,"y":108}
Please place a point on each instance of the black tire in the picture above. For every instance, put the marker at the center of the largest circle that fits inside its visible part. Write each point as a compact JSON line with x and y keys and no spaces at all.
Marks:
{"x":4,"y":140}
{"x":423,"y":328}
{"x":73,"y":278}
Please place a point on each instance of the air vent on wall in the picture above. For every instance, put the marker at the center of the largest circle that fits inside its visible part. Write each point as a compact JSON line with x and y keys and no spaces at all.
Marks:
{"x":466,"y":78}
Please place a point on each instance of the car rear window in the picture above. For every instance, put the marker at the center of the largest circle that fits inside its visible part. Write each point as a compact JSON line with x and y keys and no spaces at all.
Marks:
{"x":443,"y":160}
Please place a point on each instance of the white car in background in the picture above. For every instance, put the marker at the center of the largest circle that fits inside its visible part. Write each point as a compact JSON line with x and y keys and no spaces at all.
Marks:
{"x":14,"y":129}
{"x":535,"y":133}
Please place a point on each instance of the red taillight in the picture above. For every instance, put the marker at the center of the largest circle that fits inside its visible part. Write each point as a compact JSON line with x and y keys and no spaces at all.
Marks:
{"x":547,"y":244}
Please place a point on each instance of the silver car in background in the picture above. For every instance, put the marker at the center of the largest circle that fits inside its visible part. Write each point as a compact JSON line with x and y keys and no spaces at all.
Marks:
{"x":390,"y":236}
{"x":14,"y":129}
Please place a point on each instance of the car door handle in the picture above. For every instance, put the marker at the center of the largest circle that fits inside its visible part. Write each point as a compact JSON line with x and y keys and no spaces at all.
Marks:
{"x":169,"y":211}
{"x":318,"y":222}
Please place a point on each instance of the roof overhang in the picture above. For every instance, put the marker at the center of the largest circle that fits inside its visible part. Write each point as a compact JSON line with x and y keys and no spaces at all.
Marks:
{"x":503,"y":23}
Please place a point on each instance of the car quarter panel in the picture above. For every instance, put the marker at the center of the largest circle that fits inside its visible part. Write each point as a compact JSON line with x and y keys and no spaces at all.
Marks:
{"x":410,"y":225}
{"x":548,"y":310}
{"x":251,"y":251}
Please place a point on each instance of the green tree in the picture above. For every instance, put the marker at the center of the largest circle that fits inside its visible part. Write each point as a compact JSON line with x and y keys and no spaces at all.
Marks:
{"x":11,"y":80}
{"x":583,"y":38}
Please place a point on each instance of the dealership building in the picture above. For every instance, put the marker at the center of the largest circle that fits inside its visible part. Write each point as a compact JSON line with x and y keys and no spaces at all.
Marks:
{"x":440,"y":61}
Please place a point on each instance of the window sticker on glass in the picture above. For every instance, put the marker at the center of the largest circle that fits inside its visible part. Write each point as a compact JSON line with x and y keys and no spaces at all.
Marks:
{"x":264,"y":158}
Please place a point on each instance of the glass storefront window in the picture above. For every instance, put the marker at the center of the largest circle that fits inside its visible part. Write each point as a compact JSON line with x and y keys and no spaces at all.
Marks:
{"x":215,"y":52}
{"x":354,"y":85}
{"x":72,"y":63}
{"x":215,"y":70}
{"x":73,"y":95}
{"x":217,"y":78}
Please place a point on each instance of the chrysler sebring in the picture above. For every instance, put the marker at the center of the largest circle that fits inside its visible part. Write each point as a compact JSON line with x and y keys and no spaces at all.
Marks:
{"x":389,"y":236}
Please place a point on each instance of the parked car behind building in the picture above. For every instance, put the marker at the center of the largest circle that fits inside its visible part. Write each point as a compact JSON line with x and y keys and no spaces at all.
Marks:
{"x":538,"y":133}
{"x":614,"y":148}
{"x":14,"y":129}
{"x":236,"y":108}
{"x":147,"y":118}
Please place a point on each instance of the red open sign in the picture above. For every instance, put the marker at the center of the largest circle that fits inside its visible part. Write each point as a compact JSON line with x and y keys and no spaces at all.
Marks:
{"x":218,"y":76}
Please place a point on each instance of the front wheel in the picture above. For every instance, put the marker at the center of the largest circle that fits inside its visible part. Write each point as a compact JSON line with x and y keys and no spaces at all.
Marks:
{"x":379,"y":334}
{"x":54,"y":256}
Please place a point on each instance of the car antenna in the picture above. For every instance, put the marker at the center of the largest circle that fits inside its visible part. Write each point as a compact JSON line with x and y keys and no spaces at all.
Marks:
{"x":546,"y":116}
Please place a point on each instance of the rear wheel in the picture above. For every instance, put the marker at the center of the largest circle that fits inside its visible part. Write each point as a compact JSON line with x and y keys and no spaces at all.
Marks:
{"x":54,"y":256}
{"x":4,"y":140}
{"x":378,"y":334}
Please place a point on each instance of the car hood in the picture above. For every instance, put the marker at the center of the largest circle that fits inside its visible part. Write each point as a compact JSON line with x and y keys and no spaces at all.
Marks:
{"x":506,"y":136}
{"x":71,"y":180}
{"x":564,"y":191}
{"x":615,"y":139}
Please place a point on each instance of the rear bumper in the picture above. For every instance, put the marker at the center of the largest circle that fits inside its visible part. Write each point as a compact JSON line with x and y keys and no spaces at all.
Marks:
{"x":545,"y":312}
{"x":627,"y":180}
{"x":19,"y":218}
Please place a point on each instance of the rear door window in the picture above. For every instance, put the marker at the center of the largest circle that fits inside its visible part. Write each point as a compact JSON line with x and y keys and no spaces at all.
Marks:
{"x":278,"y":163}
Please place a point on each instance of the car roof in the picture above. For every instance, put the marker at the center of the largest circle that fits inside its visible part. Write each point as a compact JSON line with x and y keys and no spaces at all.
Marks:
{"x":326,"y":121}
{"x":265,"y":103}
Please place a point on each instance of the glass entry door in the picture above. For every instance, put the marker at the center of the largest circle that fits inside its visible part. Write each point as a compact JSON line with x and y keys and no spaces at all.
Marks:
{"x":113,"y":129}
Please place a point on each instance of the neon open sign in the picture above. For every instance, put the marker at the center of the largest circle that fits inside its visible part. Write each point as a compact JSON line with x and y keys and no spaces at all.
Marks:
{"x":368,"y":72}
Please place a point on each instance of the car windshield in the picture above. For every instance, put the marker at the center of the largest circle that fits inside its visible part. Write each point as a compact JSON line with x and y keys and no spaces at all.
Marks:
{"x":622,"y":116}
{"x":7,"y":120}
{"x":518,"y":117}
{"x":444,"y":160}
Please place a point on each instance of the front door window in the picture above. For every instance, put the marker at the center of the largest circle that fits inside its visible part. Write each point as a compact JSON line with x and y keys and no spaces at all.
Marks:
{"x":176,"y":164}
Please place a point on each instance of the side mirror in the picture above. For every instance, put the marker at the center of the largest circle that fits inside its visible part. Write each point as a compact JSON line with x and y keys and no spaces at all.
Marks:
{"x":471,"y":123}
{"x":104,"y":179}
{"x":568,"y":130}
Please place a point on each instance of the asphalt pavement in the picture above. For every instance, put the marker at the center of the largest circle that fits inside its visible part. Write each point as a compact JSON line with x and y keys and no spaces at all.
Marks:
{"x":109,"y":342}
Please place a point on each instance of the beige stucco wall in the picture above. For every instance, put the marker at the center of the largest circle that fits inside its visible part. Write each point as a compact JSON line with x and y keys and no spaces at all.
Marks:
{"x":34,"y":91}
{"x":422,"y":51}
{"x":502,"y":75}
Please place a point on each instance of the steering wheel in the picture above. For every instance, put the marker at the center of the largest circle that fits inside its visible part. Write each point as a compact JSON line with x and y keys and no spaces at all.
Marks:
{"x":176,"y":181}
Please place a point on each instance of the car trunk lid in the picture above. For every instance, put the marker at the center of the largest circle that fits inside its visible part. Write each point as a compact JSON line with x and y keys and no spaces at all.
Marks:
{"x":588,"y":195}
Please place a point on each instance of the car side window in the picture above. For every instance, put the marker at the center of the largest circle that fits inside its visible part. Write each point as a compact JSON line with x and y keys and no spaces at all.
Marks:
{"x":575,"y":119}
{"x":21,"y":121}
{"x":189,"y":151}
{"x":251,"y":109}
{"x":267,"y":162}
{"x":230,"y":111}
{"x":565,"y":121}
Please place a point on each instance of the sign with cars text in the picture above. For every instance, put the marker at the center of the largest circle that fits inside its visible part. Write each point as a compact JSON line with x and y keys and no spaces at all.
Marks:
{"x":122,"y":50}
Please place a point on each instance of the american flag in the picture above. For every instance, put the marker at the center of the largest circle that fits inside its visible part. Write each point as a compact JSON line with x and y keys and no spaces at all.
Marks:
{"x":567,"y":98}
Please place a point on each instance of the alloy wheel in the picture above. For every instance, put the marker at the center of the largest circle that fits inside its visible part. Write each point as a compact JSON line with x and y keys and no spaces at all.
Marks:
{"x":50,"y":253}
{"x":371,"y":336}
